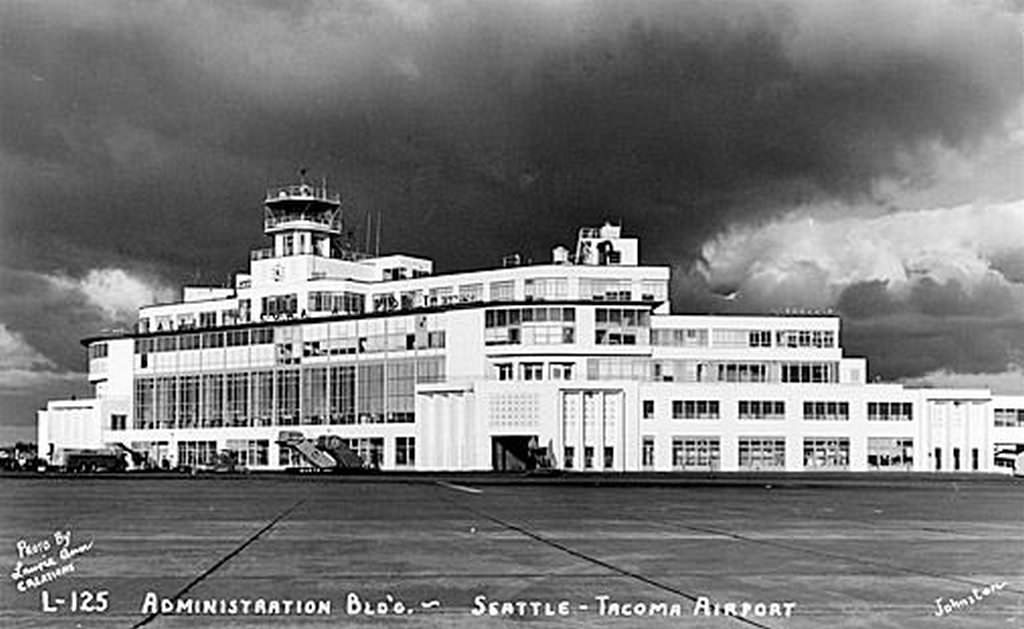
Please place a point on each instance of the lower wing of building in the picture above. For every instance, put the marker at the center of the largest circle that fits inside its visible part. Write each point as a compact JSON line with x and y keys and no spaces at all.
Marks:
{"x":595,"y":386}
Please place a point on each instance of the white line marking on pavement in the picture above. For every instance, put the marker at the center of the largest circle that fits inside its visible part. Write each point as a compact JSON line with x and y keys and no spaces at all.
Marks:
{"x":468,"y":490}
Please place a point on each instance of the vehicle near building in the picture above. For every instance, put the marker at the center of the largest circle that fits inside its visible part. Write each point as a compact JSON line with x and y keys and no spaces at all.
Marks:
{"x":82,"y":460}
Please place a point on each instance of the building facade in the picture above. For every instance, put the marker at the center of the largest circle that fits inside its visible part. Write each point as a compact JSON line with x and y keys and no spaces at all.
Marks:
{"x":576,"y":362}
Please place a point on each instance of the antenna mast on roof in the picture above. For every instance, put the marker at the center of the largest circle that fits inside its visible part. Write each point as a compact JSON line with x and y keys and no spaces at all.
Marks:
{"x":380,"y":219}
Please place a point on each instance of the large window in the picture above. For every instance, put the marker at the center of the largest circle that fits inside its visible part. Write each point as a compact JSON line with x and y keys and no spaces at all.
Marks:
{"x":343,"y":394}
{"x":618,"y":368}
{"x":289,"y":457}
{"x":695,"y":409}
{"x":683,"y":337}
{"x":827,"y":453}
{"x":263,"y":398}
{"x":118,"y":421}
{"x":530,"y":326}
{"x":405,"y":451}
{"x":337,"y":302}
{"x":888,"y":453}
{"x":194,"y":453}
{"x":827,"y":411}
{"x":1009,"y":417}
{"x":213,"y":400}
{"x":621,"y":326}
{"x":211,"y":339}
{"x":696,"y":453}
{"x":98,"y":350}
{"x":532,"y":371}
{"x":370,"y":392}
{"x":401,"y":389}
{"x":145,"y":411}
{"x":188,"y":401}
{"x":606,"y":290}
{"x":560,"y":371}
{"x":730,"y":337}
{"x":287,"y":396}
{"x":236,"y":407}
{"x":762,"y":409}
{"x":250,"y":452}
{"x":471,"y":293}
{"x":546,"y":288}
{"x":648,"y":409}
{"x":742,"y":372}
{"x":165,"y":402}
{"x":503,"y":291}
{"x":809,"y":372}
{"x":890,"y":411}
{"x":314,"y":395}
{"x":647,"y":453}
{"x":762,"y":453}
{"x":237,"y":338}
{"x":805,"y":338}
{"x":280,"y":305}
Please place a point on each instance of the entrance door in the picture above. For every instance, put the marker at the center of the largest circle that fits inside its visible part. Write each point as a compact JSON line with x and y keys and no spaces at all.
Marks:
{"x":512,"y":453}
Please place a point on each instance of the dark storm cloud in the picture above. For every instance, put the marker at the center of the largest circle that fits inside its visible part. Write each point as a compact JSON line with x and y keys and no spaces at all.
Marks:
{"x":912,"y":345}
{"x":935,"y":326}
{"x":143,"y":129}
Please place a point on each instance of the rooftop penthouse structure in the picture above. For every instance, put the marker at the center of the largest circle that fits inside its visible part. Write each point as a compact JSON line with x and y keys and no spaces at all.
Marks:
{"x":575,"y":363}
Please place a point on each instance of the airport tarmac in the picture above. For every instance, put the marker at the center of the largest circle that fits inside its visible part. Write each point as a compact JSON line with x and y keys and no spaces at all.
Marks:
{"x":483,"y":551}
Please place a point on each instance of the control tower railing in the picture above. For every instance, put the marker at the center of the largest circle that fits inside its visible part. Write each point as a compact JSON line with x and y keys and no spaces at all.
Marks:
{"x":330,"y":221}
{"x":302,"y":192}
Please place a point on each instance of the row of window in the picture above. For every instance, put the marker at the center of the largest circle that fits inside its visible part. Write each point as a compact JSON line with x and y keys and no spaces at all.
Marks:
{"x":337,"y":302}
{"x":530,"y":326}
{"x":286,"y":350}
{"x":534,"y":371}
{"x":737,"y":338}
{"x":538,"y":288}
{"x":1009,"y":417}
{"x":98,"y":350}
{"x":776,"y":409}
{"x":737,"y":371}
{"x":368,"y":392}
{"x":760,"y":453}
{"x":504,"y":317}
{"x":189,"y":321}
{"x":205,"y":340}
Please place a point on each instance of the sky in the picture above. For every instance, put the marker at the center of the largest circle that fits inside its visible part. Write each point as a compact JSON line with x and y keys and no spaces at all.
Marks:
{"x":864,"y":156}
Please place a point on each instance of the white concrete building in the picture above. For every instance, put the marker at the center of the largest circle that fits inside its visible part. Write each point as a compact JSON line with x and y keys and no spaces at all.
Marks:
{"x":578,"y":359}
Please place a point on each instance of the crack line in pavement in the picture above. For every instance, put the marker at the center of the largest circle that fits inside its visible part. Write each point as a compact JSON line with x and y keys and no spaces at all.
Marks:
{"x":465,"y":488}
{"x":594,"y":560}
{"x":223,"y":560}
{"x":831,"y":555}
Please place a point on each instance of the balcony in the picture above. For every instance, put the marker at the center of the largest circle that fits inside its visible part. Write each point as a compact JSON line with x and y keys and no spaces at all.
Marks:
{"x":305,"y":219}
{"x":302,"y":192}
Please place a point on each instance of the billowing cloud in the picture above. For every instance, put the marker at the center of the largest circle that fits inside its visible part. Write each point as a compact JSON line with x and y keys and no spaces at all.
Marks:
{"x":116,"y":293}
{"x":23,"y":367}
{"x":945,"y":261}
{"x":15,"y":353}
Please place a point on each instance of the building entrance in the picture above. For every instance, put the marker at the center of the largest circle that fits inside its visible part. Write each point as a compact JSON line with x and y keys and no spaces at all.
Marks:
{"x":513,"y":453}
